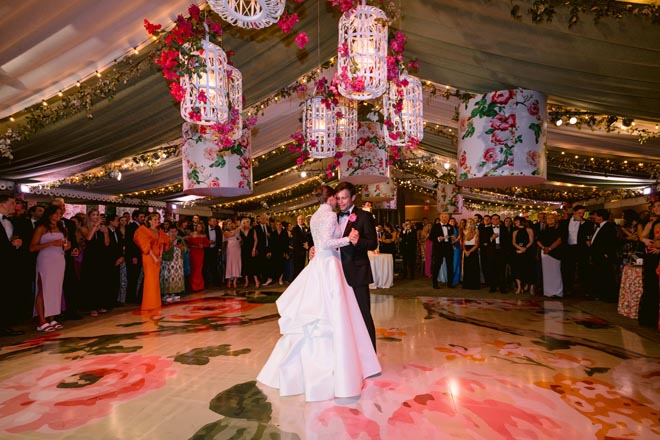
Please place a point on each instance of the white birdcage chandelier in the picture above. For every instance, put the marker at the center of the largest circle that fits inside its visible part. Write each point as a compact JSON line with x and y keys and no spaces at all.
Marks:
{"x":320,"y":128}
{"x":235,"y":83}
{"x":347,"y":124}
{"x":210,"y":86}
{"x":363,"y":51}
{"x":249,"y":14}
{"x":410,"y":122}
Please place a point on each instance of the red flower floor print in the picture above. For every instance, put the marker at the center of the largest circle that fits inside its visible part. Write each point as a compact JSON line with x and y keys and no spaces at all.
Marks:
{"x":71,"y":394}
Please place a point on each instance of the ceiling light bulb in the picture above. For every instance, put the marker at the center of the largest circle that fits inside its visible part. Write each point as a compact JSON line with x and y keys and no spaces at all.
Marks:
{"x":558,"y":122}
{"x":135,"y":51}
{"x":118,"y":175}
{"x":98,"y":75}
{"x":303,"y":174}
{"x":573,"y":120}
{"x":447,"y":165}
{"x":60,"y":94}
{"x":12,"y":119}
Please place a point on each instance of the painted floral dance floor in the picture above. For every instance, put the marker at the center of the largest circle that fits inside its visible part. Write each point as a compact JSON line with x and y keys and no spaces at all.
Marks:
{"x":452,"y":369}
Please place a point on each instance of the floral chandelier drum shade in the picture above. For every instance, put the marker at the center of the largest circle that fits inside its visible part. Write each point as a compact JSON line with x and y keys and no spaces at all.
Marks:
{"x":501,"y":139}
{"x":249,"y":14}
{"x":320,"y":128}
{"x":235,"y":83}
{"x":403,"y":105}
{"x":205,"y":95}
{"x":209,"y":170}
{"x":368,"y":162}
{"x":379,"y":192}
{"x":362,"y":52}
{"x":347,"y":124}
{"x":449,"y":199}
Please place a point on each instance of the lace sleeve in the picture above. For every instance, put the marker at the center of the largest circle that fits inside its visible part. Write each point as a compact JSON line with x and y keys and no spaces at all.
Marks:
{"x":328,"y":235}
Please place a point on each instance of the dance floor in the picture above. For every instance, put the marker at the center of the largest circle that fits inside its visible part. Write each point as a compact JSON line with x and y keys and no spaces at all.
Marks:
{"x":494,"y":367}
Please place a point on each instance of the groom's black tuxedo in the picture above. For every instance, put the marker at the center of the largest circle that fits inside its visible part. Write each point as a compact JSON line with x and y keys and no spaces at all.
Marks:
{"x":355,"y":262}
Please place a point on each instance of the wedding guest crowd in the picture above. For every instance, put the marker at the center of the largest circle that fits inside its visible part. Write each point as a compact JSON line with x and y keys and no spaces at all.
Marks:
{"x":92,"y":262}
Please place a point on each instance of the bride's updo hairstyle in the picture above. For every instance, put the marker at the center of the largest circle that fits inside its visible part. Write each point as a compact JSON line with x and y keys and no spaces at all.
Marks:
{"x":323,"y":193}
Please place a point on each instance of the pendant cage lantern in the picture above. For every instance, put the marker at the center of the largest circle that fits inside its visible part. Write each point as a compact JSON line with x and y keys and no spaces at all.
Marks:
{"x":411,"y":120}
{"x":210,"y":86}
{"x":249,"y":14}
{"x":347,"y":124}
{"x":235,"y":83}
{"x":319,"y":128}
{"x":363,"y":52}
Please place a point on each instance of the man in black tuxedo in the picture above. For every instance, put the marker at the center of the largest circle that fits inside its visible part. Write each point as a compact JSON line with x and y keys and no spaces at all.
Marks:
{"x":263,"y":250}
{"x":354,"y":257}
{"x":133,"y":257}
{"x":210,"y":269}
{"x":300,"y":245}
{"x":485,"y":232}
{"x":604,"y":264}
{"x":24,"y":227}
{"x":408,"y":247}
{"x":10,"y":244}
{"x":498,"y":249}
{"x":443,"y":249}
{"x":575,"y":231}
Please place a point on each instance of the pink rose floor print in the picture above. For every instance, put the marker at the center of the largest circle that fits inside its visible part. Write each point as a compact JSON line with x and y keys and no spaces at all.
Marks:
{"x":452,"y":368}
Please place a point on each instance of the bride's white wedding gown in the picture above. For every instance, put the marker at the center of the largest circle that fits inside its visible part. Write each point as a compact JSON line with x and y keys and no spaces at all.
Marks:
{"x":324,"y":350}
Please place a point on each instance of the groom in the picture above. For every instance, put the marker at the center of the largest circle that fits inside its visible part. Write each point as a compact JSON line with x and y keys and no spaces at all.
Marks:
{"x":354,"y":257}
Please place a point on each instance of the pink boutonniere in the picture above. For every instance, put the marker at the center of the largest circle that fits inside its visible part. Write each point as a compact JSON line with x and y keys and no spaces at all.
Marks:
{"x":352,"y":217}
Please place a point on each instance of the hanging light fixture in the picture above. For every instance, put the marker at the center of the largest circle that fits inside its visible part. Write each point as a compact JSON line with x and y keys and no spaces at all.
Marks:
{"x":362,"y":52}
{"x":235,"y":83}
{"x":206,"y":94}
{"x":347,"y":124}
{"x":319,"y":128}
{"x":410,"y":122}
{"x":249,"y":14}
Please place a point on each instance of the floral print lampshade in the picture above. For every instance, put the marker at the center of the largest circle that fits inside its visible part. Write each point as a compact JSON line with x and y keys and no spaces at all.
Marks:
{"x":449,"y":199}
{"x":368,"y":162}
{"x":501,"y":140}
{"x":379,"y":192}
{"x":213,"y":170}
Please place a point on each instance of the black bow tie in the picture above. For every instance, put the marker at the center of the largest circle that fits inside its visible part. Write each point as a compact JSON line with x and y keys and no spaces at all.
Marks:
{"x":343,"y":213}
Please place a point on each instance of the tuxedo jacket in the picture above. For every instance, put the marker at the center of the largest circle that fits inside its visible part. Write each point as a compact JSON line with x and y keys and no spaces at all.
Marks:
{"x":262,"y":243}
{"x":116,"y":247}
{"x":218,"y":236}
{"x":586,"y":229}
{"x":299,"y":239}
{"x":355,"y":257}
{"x":131,"y":249}
{"x":604,"y":245}
{"x":8,"y":255}
{"x":24,"y":228}
{"x":437,"y":237}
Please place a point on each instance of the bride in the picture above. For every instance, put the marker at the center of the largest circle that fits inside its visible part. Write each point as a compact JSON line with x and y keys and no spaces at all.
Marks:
{"x":325,"y":350}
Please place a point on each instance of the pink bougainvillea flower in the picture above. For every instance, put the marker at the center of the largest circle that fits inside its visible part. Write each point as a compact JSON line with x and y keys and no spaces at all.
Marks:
{"x":201,"y":97}
{"x":287,"y":22}
{"x":152,"y":29}
{"x":177,"y":91}
{"x":74,"y":393}
{"x":301,"y":40}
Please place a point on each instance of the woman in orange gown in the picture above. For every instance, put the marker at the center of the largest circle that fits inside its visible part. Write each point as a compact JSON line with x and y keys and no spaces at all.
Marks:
{"x":152,"y":242}
{"x":196,"y":242}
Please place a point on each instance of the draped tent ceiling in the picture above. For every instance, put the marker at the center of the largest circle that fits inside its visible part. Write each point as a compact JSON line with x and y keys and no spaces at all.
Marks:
{"x":611,"y":68}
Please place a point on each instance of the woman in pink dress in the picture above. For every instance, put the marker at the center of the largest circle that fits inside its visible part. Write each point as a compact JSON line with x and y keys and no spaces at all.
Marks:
{"x":233,"y":253}
{"x":196,"y":242}
{"x":49,"y":240}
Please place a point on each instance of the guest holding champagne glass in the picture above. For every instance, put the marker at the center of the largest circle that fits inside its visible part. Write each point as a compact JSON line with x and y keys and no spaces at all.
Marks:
{"x":152,"y":242}
{"x":95,"y":267}
{"x":49,"y":240}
